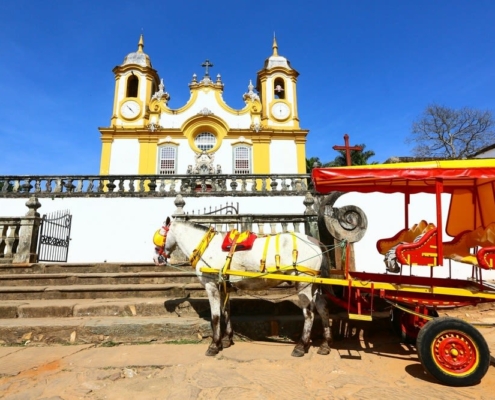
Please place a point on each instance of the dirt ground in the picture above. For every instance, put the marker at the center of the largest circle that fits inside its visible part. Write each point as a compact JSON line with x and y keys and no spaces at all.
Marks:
{"x":370,"y":363}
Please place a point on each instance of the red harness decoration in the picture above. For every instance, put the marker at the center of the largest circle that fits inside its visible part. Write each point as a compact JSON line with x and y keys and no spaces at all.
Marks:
{"x":242,"y":241}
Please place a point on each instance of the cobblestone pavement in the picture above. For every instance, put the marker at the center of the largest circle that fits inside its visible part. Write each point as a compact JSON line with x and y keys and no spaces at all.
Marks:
{"x":370,"y":364}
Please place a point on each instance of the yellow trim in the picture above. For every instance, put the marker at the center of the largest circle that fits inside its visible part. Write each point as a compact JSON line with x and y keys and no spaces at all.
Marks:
{"x":194,"y":126}
{"x":147,"y":157}
{"x":261,"y":156}
{"x":360,"y":317}
{"x":106,"y":152}
{"x":301,"y":155}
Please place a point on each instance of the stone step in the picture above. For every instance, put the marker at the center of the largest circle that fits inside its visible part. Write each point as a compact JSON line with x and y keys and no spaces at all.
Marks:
{"x":114,"y":330}
{"x":102,"y":291}
{"x":97,"y":278}
{"x":54,"y":268}
{"x":141,"y":307}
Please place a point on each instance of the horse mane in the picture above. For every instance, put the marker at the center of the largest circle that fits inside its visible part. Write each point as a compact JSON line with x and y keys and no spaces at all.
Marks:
{"x":196,"y":225}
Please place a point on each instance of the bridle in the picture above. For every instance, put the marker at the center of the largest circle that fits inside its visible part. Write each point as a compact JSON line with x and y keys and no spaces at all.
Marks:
{"x":162,"y":254}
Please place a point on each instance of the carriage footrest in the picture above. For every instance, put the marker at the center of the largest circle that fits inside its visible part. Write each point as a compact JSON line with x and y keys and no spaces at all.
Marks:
{"x":361,"y":317}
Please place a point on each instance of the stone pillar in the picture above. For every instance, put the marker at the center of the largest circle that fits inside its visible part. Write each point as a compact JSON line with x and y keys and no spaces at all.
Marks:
{"x":311,"y":224}
{"x":177,"y":255}
{"x":28,"y":234}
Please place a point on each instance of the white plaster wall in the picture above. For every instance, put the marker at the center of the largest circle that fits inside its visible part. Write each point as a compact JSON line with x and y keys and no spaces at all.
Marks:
{"x":121,"y":229}
{"x":124,"y":158}
{"x":487,"y":154}
{"x":283,"y":157}
{"x":208,"y":100}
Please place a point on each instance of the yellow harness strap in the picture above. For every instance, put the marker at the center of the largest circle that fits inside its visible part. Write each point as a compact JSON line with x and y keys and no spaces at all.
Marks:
{"x":202,"y":246}
{"x":294,"y":249}
{"x":231,"y":252}
{"x":265,"y":251}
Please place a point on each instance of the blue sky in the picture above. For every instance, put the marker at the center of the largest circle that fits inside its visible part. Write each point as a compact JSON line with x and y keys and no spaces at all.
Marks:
{"x":367,"y":67}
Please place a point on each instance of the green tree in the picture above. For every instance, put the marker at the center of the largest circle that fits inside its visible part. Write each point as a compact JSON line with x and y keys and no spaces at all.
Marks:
{"x":311,"y":163}
{"x":444,"y":132}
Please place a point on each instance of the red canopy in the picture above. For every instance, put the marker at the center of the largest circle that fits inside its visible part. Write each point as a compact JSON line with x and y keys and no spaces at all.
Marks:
{"x":472,"y":183}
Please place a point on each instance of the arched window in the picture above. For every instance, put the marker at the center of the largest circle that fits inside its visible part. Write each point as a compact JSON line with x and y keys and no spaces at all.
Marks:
{"x":132,"y":86}
{"x":279,"y":88}
{"x":205,"y":141}
{"x":242,"y":160}
{"x":167,"y":160}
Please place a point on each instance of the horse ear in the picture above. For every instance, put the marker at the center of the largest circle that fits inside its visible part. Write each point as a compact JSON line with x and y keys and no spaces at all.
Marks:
{"x":167,"y":222}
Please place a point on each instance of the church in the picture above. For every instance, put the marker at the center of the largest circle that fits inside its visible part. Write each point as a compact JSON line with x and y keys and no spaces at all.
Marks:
{"x":205,"y":135}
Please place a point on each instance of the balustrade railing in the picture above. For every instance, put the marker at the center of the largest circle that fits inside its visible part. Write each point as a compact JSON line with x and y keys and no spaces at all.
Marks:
{"x":9,"y":237}
{"x":154,"y":185}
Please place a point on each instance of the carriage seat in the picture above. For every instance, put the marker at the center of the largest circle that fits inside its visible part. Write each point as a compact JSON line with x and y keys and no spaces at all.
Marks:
{"x":421,"y":250}
{"x":403,"y":236}
{"x":460,"y":248}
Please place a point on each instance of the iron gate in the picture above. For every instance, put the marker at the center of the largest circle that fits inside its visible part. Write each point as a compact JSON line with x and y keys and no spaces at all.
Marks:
{"x":55,"y":236}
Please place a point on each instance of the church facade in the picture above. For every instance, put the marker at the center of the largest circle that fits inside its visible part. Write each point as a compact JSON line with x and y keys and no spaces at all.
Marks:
{"x":205,"y":135}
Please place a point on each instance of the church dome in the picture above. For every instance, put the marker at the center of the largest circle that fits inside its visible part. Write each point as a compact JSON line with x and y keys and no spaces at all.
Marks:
{"x":276,"y":60}
{"x":138,"y":57}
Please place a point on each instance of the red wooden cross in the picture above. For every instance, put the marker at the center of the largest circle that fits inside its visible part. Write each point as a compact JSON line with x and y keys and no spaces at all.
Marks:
{"x":347,"y":149}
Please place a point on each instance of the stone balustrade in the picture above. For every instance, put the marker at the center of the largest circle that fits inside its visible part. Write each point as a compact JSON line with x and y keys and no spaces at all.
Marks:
{"x":19,"y":236}
{"x":154,"y":185}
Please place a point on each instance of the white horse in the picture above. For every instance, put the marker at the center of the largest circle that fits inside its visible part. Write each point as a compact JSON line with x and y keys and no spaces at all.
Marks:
{"x":190,"y":237}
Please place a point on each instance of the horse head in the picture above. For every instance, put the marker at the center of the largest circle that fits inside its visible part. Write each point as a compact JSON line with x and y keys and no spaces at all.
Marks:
{"x":164,"y":243}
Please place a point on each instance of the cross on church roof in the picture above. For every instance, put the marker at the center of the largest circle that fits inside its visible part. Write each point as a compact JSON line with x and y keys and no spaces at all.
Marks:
{"x":207,"y":64}
{"x":347,"y":149}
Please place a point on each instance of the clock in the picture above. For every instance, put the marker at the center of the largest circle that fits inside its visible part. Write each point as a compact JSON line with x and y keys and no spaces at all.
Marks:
{"x":130,"y":109}
{"x":280,"y":111}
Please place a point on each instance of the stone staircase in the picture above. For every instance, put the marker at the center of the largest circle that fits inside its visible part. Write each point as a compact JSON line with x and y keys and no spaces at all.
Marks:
{"x":129,"y":303}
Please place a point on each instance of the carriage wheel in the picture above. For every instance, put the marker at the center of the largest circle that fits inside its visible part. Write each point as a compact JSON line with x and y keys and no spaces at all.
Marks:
{"x":453,"y":351}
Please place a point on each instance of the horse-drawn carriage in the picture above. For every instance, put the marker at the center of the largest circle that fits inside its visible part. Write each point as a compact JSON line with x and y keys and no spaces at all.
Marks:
{"x":450,"y":349}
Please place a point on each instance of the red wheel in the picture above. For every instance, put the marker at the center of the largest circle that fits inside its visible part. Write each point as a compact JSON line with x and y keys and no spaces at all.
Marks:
{"x":453,"y":351}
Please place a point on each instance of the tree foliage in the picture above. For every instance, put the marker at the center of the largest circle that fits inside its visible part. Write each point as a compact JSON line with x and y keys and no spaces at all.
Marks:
{"x":449,"y":133}
{"x":357,"y":158}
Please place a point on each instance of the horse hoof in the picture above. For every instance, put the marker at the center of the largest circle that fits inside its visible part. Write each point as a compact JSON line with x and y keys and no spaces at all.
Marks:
{"x":298,"y":352}
{"x":324,"y":350}
{"x":226,"y":343}
{"x":212,"y":351}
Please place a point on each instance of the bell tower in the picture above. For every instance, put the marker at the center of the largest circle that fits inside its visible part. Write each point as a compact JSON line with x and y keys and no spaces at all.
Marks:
{"x":135,"y":83}
{"x":277,"y":85}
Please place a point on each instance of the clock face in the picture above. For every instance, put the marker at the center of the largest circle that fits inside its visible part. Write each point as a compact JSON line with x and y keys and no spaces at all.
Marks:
{"x":280,"y":111}
{"x":130,"y":109}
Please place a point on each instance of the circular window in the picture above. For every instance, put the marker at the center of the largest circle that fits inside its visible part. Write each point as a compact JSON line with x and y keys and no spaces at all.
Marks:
{"x":205,"y":141}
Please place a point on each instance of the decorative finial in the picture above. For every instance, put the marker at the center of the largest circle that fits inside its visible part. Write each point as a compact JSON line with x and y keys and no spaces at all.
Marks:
{"x":141,"y":44}
{"x":275,"y":46}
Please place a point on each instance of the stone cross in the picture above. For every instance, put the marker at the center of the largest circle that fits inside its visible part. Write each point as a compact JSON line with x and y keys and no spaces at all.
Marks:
{"x":207,"y":64}
{"x":347,"y":149}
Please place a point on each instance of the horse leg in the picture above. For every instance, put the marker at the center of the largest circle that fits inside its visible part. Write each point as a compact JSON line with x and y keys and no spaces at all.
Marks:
{"x":322,"y":308}
{"x":307,"y":307}
{"x":227,"y":339}
{"x":214,"y":298}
